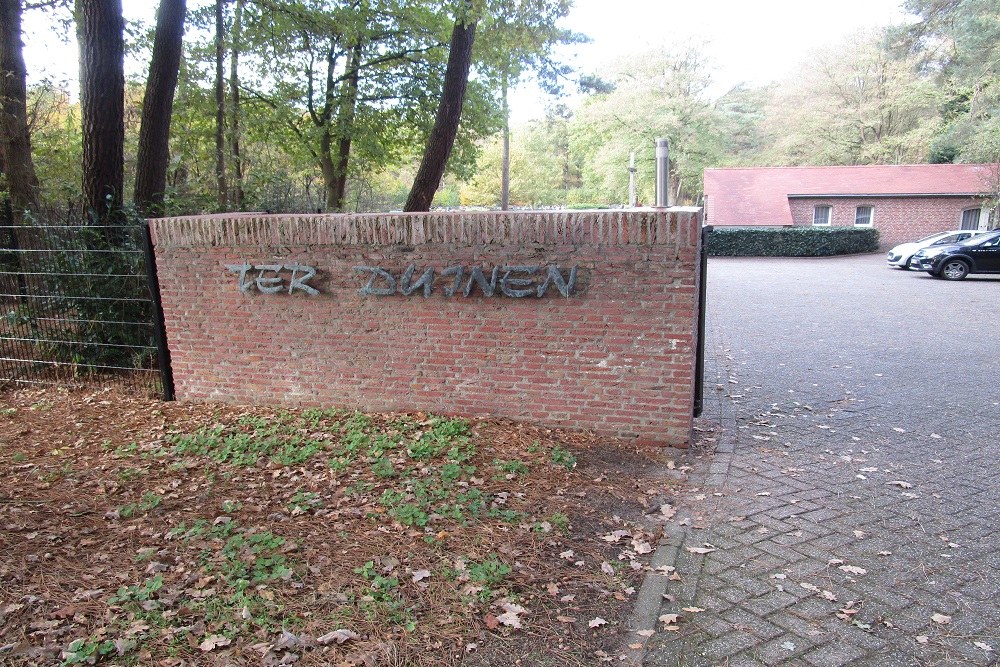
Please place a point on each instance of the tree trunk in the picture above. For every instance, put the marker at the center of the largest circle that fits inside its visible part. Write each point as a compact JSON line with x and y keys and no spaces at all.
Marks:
{"x":153,"y":156}
{"x":220,"y":105}
{"x":505,"y":155}
{"x":100,"y":32}
{"x":449,"y":114}
{"x":234,"y":94}
{"x":329,"y":170}
{"x":15,"y":138}
{"x":345,"y":125}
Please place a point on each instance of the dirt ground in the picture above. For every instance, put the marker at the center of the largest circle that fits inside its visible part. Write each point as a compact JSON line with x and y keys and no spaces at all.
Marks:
{"x":138,"y":532}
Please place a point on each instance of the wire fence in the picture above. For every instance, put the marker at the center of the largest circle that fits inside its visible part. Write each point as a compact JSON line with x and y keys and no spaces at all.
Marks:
{"x":75,"y":305}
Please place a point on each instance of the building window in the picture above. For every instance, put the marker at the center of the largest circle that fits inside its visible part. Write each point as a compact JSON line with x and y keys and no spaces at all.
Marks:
{"x":970,"y":218}
{"x":863,"y":216}
{"x":821,"y":216}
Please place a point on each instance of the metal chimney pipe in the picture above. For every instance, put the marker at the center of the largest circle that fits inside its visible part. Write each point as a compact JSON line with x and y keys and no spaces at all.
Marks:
{"x":662,"y":173}
{"x":632,"y":198}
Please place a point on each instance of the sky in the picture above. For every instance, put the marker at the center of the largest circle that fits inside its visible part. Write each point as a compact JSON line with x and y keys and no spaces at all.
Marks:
{"x":751,"y":42}
{"x":748,"y":42}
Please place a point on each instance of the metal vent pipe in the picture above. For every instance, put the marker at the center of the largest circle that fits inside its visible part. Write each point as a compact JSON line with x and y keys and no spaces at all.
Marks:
{"x":662,"y":173}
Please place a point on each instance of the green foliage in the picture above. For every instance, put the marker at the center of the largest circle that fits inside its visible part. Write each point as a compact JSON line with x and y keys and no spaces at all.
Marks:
{"x":148,"y":502}
{"x":89,"y":651}
{"x":284,"y":440}
{"x":857,"y":102}
{"x":790,"y":241}
{"x":97,"y":311}
{"x":491,"y":571}
{"x":562,"y":457}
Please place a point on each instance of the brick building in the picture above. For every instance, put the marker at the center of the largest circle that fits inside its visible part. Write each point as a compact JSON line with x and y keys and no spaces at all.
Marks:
{"x":904,"y":202}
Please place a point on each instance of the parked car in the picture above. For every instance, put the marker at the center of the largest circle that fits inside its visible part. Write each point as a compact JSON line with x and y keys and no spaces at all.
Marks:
{"x":979,"y":254}
{"x":900,"y":256}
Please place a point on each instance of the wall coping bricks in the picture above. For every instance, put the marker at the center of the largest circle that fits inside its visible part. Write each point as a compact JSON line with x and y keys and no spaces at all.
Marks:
{"x":595,"y":228}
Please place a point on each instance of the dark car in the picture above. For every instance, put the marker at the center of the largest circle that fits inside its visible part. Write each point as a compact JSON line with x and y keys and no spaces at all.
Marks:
{"x":980,"y":254}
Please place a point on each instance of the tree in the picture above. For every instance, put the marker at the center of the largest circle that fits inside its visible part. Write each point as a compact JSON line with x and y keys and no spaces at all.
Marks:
{"x":518,"y":37}
{"x":220,"y":104}
{"x":442,"y":136}
{"x":15,"y":138}
{"x":100,"y":31}
{"x":154,"y":134}
{"x":858,"y":102}
{"x":236,"y":107}
{"x":660,"y":94}
{"x":958,"y":42}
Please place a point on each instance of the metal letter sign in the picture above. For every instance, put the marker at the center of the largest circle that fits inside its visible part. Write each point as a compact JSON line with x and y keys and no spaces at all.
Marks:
{"x":270,"y":281}
{"x":515,"y":282}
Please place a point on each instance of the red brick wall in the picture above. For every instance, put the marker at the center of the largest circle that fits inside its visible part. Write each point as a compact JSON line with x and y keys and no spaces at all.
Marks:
{"x":616,"y":356}
{"x":897,"y":220}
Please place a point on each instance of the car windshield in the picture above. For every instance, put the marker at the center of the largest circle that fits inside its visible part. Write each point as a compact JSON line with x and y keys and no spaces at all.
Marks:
{"x":978,"y":238}
{"x":930,"y":238}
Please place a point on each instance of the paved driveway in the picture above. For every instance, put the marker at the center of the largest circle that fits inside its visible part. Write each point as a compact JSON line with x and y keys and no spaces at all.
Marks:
{"x":853,"y":497}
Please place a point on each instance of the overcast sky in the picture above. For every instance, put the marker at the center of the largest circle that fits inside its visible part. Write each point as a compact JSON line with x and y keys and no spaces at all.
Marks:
{"x":753,"y":42}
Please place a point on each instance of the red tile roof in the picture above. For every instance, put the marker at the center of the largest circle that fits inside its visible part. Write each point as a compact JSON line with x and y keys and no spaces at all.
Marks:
{"x":759,"y":196}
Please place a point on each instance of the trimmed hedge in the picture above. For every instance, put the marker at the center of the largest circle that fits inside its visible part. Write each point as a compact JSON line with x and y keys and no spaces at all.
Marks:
{"x":790,"y":241}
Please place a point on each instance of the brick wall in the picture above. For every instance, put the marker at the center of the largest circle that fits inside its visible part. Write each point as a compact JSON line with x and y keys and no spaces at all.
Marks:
{"x":897,"y":220}
{"x":616,"y":355}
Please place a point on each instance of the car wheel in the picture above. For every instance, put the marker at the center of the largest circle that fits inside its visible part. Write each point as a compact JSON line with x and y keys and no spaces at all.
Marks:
{"x":954,"y":269}
{"x":905,"y":265}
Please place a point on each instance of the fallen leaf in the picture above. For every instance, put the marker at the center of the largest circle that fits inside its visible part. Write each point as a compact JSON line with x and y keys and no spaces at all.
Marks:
{"x":900,"y":483}
{"x":596,"y":622}
{"x":565,"y":619}
{"x":606,"y":568}
{"x":650,"y":633}
{"x":491,"y":622}
{"x":668,"y":511}
{"x":984,"y":646}
{"x":812,"y":588}
{"x":941,"y":618}
{"x":213,"y":642}
{"x":340,"y":636}
{"x":853,"y":569}
{"x":922,"y":639}
{"x":788,"y":646}
{"x":829,"y":596}
{"x":701,"y":550}
{"x":641,"y":547}
{"x":509,"y":619}
{"x":693,"y":610}
{"x":670,"y":621}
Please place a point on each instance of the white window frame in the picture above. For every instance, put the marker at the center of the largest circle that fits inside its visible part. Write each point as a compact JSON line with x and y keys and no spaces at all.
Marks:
{"x":979,"y":218}
{"x":829,"y":215}
{"x":871,"y":216}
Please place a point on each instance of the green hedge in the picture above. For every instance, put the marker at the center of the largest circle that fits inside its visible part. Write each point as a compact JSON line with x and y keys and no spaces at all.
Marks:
{"x":790,"y":241}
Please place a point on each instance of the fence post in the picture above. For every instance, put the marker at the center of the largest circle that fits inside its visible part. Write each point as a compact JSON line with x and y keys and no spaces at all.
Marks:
{"x":699,"y":363}
{"x":159,"y":327}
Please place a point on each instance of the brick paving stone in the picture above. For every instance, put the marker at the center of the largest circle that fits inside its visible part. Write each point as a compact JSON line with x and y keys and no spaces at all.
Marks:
{"x":833,"y":655}
{"x":843,"y":395}
{"x":727,"y":645}
{"x":770,"y":603}
{"x":783,"y":650}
